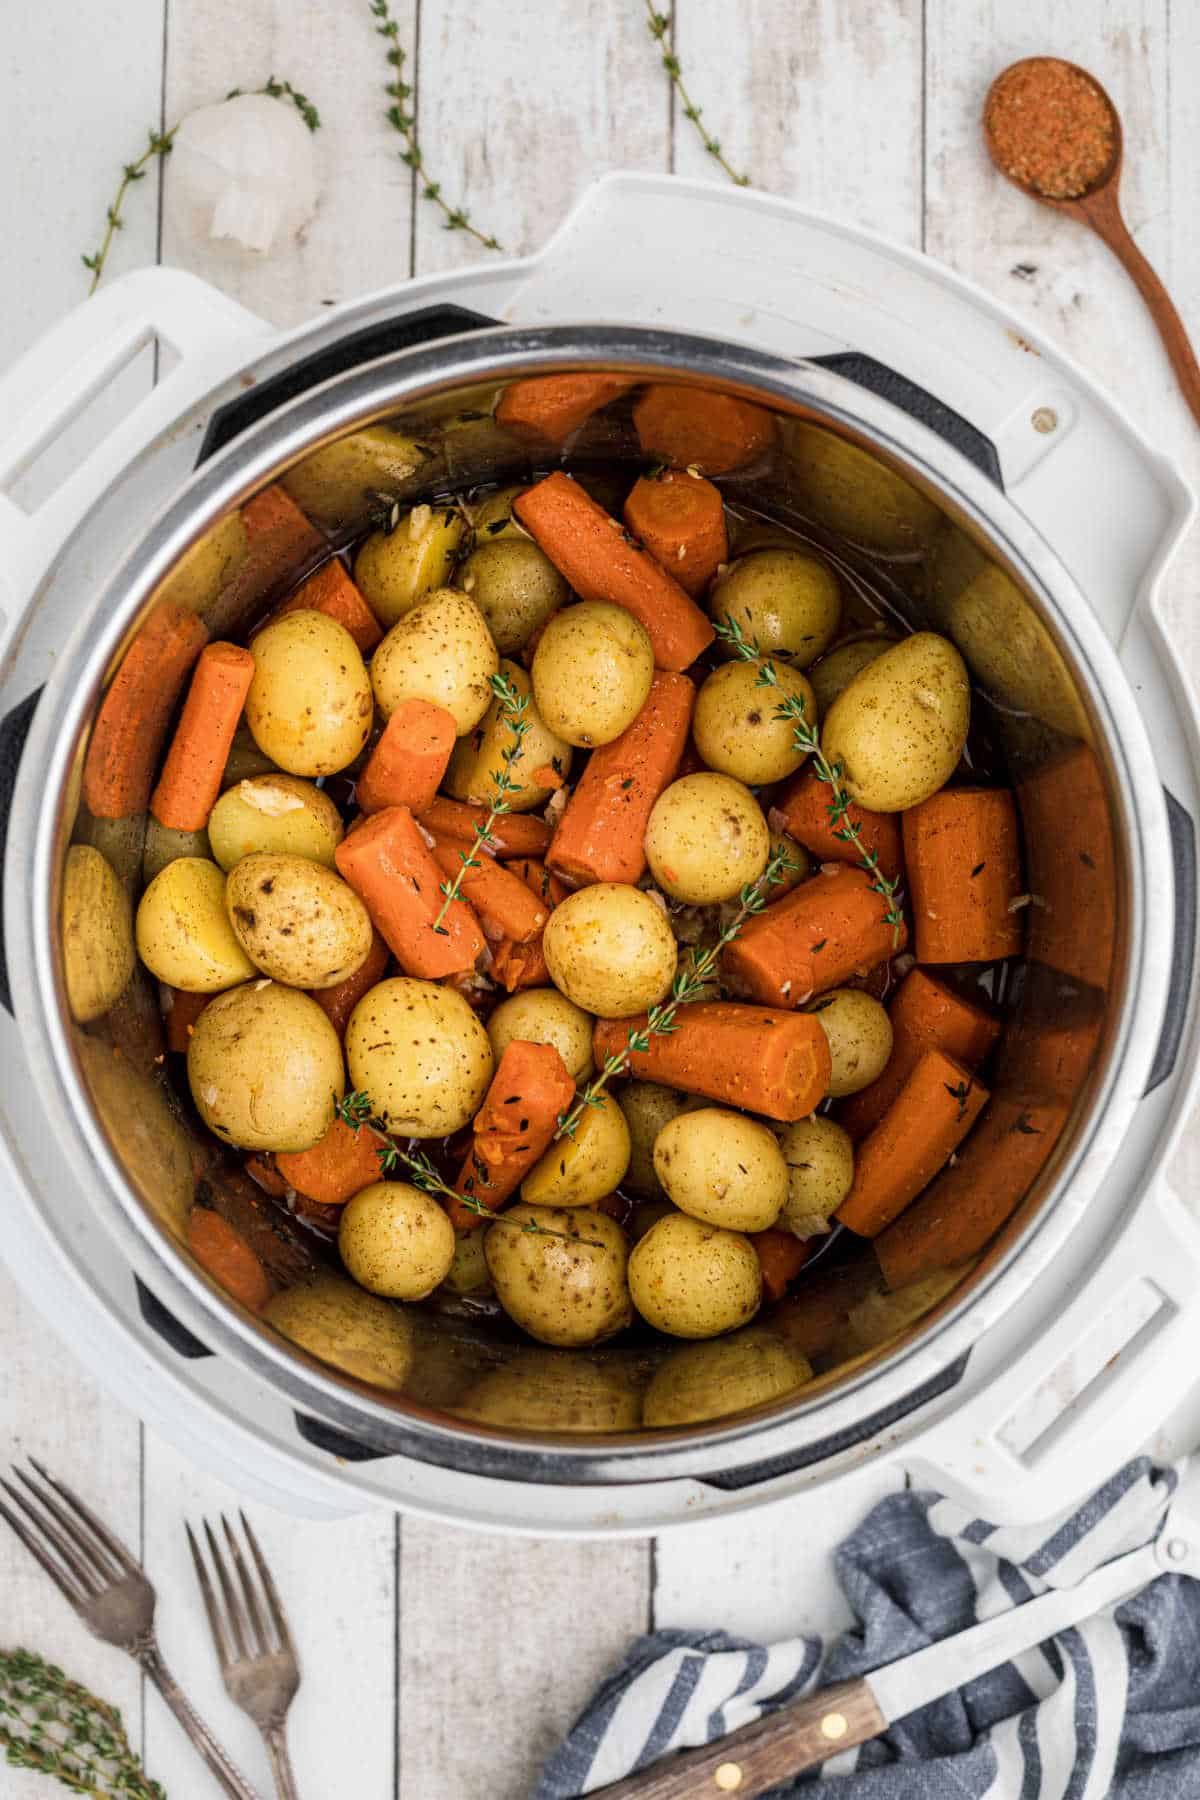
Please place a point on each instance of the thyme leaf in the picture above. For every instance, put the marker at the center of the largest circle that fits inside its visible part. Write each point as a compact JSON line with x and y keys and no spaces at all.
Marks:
{"x":514,"y":710}
{"x":659,"y":26}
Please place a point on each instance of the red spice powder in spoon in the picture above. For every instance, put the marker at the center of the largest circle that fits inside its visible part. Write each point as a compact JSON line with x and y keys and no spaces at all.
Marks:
{"x":1051,"y":128}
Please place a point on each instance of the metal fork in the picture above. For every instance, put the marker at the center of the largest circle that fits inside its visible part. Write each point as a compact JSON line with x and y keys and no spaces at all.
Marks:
{"x":254,"y":1646}
{"x":96,"y":1575}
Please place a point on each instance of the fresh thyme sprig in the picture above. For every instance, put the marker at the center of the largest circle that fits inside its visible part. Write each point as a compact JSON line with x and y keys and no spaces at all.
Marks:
{"x":456,"y":218}
{"x":806,"y":737}
{"x":514,"y":709}
{"x":659,"y":25}
{"x":688,"y":987}
{"x":283,"y":90}
{"x":52,"y":1724}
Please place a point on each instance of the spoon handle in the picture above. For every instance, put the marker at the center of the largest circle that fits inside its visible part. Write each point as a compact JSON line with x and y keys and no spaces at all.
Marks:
{"x":1103,"y":214}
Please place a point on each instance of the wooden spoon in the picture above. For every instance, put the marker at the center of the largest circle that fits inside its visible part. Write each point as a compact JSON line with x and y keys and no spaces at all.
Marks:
{"x":1099,"y":207}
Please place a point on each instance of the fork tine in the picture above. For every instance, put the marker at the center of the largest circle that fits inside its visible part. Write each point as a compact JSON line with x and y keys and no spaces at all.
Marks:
{"x":258,"y":1624}
{"x":210,"y":1602}
{"x":103,"y":1564}
{"x":233,"y":1610}
{"x":46,"y":1529}
{"x":274,"y":1603}
{"x":109,"y":1539}
{"x":54,"y":1570}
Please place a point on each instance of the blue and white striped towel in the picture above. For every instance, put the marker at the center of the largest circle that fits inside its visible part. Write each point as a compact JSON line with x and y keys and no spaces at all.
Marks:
{"x":1111,"y":1708}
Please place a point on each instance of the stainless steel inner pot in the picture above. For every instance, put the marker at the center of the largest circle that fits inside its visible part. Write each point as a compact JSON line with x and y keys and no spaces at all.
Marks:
{"x":905,"y":496}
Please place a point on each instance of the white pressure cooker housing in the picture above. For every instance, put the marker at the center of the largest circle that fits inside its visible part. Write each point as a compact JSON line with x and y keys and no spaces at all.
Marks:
{"x":1015,"y":1399}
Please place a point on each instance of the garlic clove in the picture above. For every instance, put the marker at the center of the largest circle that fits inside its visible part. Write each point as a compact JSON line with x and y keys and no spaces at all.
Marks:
{"x":244,"y":171}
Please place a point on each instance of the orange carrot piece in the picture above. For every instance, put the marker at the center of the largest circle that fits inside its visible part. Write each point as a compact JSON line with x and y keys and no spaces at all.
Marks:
{"x":514,"y":834}
{"x":803,"y":805}
{"x":340,"y":1001}
{"x":118,"y":771}
{"x":925,"y":1016}
{"x":697,"y":428}
{"x":964,"y":873}
{"x":513,"y":1127}
{"x":537,"y":876}
{"x":517,"y":965}
{"x":343,"y":1163}
{"x":264,"y":1174}
{"x":228,"y":1258}
{"x":593,"y":551}
{"x":505,"y":906}
{"x":811,"y":1319}
{"x":407,"y":764}
{"x":190,"y":784}
{"x":781,"y":1257}
{"x":392,"y":870}
{"x":921,"y":1130}
{"x":551,"y":407}
{"x":331,"y":591}
{"x":181,"y":1015}
{"x":276,"y":525}
{"x":827,"y":929}
{"x":680,"y":520}
{"x":756,"y":1057}
{"x":1071,"y":866}
{"x":601,"y":832}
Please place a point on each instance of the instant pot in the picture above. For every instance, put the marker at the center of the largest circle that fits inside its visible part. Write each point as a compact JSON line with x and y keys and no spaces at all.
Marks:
{"x":986,"y":488}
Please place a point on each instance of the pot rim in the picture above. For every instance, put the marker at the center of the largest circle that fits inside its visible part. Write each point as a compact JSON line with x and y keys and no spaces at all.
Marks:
{"x":379,"y":389}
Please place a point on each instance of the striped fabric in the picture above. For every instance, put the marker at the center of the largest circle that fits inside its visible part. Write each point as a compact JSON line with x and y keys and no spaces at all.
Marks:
{"x":1111,"y":1708}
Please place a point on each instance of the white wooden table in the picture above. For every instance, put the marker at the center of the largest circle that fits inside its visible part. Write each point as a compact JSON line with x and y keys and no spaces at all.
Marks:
{"x":442,"y":1666}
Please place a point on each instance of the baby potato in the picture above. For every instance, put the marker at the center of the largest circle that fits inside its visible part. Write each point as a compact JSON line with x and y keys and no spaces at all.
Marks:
{"x":711,"y":1381}
{"x":468,"y":1271}
{"x":568,"y":1289}
{"x":544,"y":1016}
{"x":647,"y":1107}
{"x":183,"y":931}
{"x":395,"y":569}
{"x":478,"y":758}
{"x":539,"y":1390}
{"x":736,"y":728}
{"x":834,"y":673}
{"x":296,"y":920}
{"x":515,"y":586}
{"x":610,"y":949}
{"x":706,"y":839}
{"x":883,"y":1314}
{"x":592,"y":671}
{"x":275,"y":814}
{"x":309,"y":705}
{"x":786,"y":601}
{"x":441,"y":651}
{"x":396,"y":1240}
{"x":899,"y":729}
{"x":337,"y":1322}
{"x":855,"y":494}
{"x":579,"y":1171}
{"x":693,"y":1280}
{"x":860,"y":1038}
{"x":421,"y":1054}
{"x":97,"y":934}
{"x":820,"y":1163}
{"x":340,"y":484}
{"x":265,"y":1067}
{"x":493,"y":517}
{"x":163,"y":846}
{"x":245,"y":759}
{"x":722,"y":1167}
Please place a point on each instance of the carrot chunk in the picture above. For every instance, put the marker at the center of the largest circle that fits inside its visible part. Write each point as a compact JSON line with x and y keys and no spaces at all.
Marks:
{"x":697,"y":428}
{"x":407,"y":764}
{"x":964,"y":874}
{"x":181,"y":1015}
{"x":190,"y":783}
{"x":925,"y":1016}
{"x":277,"y":530}
{"x":331,"y":591}
{"x":517,"y":965}
{"x":118,"y":771}
{"x":770,"y":1062}
{"x":781,"y":1257}
{"x":343,"y":1163}
{"x":1072,"y":866}
{"x":823,"y":931}
{"x":505,"y":905}
{"x":263,"y":1173}
{"x":680,"y":519}
{"x":550,"y":408}
{"x":340,"y":1001}
{"x":228,"y":1258}
{"x":392,"y":870}
{"x":513,"y":1127}
{"x":600,"y":836}
{"x":513,"y":834}
{"x":921,"y":1130}
{"x":593,"y":551}
{"x":803,"y":805}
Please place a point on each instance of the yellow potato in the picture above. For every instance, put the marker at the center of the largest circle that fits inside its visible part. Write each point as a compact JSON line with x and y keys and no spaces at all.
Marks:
{"x":183,"y":931}
{"x":820,"y":1162}
{"x":542,"y":1390}
{"x":97,"y":934}
{"x":395,"y":569}
{"x":203,"y":572}
{"x":544,"y":1016}
{"x":274,"y":813}
{"x":265,"y":1068}
{"x":478,"y":758}
{"x":706,"y":839}
{"x":245,"y":759}
{"x":396,"y":1240}
{"x":693,"y":1280}
{"x":647,"y":1107}
{"x":568,"y":1288}
{"x":647,"y":1212}
{"x":592,"y":671}
{"x":297,"y":921}
{"x":882,"y":1315}
{"x":340,"y":484}
{"x":610,"y":949}
{"x":421,"y":1054}
{"x":493,"y":518}
{"x":441,"y":651}
{"x":155,"y":1151}
{"x":309,"y":705}
{"x":899,"y":729}
{"x":121,"y":842}
{"x":468,"y":1271}
{"x":860,"y":1038}
{"x":339,"y":1323}
{"x":515,"y":586}
{"x":579,"y":1171}
{"x":736,"y":728}
{"x":851,"y":492}
{"x":786,"y":601}
{"x":711,"y":1381}
{"x":722,"y":1167}
{"x":163,"y":846}
{"x":834,"y":673}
